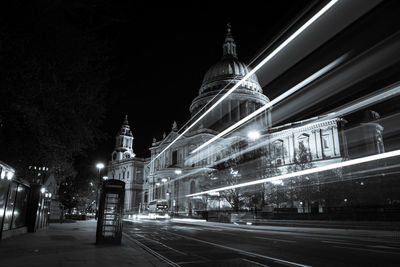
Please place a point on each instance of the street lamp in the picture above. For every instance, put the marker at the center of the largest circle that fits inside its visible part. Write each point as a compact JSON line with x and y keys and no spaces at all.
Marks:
{"x":98,"y":166}
{"x":253,"y":135}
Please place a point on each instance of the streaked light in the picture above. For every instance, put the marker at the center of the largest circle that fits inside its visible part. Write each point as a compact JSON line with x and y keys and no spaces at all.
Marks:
{"x":384,"y":94}
{"x":289,"y":92}
{"x":105,"y":177}
{"x":256,"y":68}
{"x":253,"y":135}
{"x":305,"y":172}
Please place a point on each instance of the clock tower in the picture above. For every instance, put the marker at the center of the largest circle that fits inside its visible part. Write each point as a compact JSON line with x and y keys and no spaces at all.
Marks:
{"x":123,"y":143}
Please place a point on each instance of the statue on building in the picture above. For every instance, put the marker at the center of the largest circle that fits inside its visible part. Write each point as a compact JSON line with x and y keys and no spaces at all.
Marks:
{"x":174,"y":127}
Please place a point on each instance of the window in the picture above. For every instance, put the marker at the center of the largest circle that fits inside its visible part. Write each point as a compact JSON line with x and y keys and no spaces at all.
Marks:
{"x":325,"y":142}
{"x":174,"y":157}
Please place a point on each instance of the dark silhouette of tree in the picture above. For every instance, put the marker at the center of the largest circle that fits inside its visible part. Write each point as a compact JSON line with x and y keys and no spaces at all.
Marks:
{"x":53,"y":85}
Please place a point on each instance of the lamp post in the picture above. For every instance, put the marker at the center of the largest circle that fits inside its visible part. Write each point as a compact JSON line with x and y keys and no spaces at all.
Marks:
{"x":99,"y":166}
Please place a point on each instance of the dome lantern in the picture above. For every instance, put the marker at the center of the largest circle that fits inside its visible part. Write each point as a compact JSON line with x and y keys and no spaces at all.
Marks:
{"x":229,"y":46}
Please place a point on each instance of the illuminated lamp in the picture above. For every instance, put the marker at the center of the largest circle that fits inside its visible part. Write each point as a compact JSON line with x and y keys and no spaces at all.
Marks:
{"x":10,"y":175}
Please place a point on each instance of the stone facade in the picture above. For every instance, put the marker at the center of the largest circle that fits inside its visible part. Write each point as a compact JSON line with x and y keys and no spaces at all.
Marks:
{"x":126,"y":167}
{"x":172,"y":171}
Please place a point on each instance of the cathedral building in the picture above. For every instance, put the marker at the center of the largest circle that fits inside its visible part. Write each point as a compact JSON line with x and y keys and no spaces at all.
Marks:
{"x":125,"y":166}
{"x":176,"y":172}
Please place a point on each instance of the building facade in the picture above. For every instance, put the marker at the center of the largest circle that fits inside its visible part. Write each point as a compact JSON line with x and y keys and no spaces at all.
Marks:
{"x":173,"y":171}
{"x":126,"y":167}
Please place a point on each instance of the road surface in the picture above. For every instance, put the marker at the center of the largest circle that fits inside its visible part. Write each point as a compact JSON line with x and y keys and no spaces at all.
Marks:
{"x":199,"y":243}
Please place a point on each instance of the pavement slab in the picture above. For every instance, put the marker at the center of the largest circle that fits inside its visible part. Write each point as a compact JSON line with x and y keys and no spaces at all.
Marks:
{"x":71,"y":244}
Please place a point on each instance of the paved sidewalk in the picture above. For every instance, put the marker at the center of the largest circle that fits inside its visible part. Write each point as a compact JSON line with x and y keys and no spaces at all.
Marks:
{"x":71,"y":244}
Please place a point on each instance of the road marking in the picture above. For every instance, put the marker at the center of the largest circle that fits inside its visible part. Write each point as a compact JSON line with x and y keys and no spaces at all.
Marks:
{"x":244,"y":252}
{"x":254,"y":262}
{"x":155,"y":241}
{"x":276,"y":239}
{"x":190,"y":262}
{"x":384,"y":247}
{"x":342,"y":243}
{"x":157,"y":255}
{"x":371,"y":250}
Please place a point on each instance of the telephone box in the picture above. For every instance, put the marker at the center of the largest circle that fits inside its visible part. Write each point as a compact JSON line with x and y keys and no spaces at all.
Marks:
{"x":109,"y":222}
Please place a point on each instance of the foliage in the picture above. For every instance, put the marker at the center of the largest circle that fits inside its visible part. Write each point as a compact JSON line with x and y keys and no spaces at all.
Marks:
{"x":52,"y":80}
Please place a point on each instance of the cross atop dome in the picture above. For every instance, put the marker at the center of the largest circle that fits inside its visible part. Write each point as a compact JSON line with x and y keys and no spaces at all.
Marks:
{"x":229,"y":46}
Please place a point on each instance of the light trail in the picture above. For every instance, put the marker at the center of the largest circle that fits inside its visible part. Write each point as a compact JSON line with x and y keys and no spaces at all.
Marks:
{"x":384,"y":94}
{"x":305,"y":172}
{"x":256,"y":68}
{"x":286,"y":94}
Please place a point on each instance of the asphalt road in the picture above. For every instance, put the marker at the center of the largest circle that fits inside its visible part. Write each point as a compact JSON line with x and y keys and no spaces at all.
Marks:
{"x":188,"y":243}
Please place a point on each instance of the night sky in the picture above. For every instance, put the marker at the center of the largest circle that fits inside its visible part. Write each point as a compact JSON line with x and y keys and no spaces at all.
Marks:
{"x":162,"y":53}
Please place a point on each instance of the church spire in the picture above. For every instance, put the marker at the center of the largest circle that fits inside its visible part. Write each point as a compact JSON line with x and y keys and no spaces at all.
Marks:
{"x":125,"y":129}
{"x":229,"y":46}
{"x":123,"y":142}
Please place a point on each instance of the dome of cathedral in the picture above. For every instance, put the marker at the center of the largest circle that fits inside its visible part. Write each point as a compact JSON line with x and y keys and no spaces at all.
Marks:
{"x":221,"y":77}
{"x":228,"y":70}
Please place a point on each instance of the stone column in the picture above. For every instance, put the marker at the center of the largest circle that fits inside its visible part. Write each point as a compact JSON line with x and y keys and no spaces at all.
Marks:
{"x":335,"y":139}
{"x":319,"y":144}
{"x":315,"y":153}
